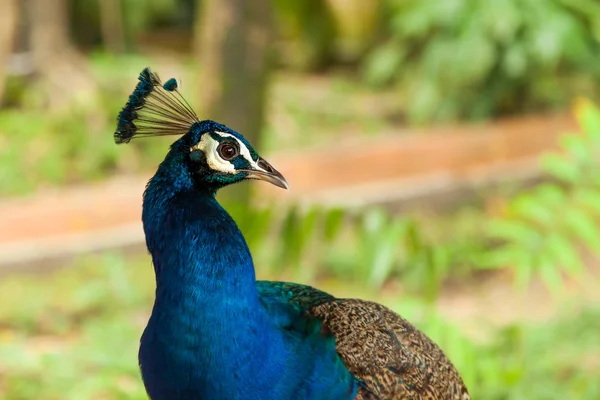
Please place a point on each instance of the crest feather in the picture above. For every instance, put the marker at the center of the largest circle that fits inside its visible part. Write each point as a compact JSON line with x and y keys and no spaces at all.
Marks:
{"x":154,"y":109}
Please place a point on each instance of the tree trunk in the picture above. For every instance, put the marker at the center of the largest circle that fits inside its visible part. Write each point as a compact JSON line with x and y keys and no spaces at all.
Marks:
{"x":111,"y":23}
{"x":8,"y":27}
{"x":233,"y":43}
{"x":62,"y":73}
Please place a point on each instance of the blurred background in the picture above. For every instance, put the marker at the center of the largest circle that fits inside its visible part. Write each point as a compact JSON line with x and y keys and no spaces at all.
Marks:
{"x":442,"y":157}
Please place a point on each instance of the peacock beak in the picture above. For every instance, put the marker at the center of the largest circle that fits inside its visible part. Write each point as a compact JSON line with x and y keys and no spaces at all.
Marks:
{"x":266,"y":172}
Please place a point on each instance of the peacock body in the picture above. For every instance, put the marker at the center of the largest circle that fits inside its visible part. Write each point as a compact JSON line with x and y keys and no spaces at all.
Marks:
{"x":215,"y":332}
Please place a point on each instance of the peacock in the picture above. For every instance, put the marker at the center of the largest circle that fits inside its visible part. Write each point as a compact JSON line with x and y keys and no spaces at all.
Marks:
{"x":215,"y":332}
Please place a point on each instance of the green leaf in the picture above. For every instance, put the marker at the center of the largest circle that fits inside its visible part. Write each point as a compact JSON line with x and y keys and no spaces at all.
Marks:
{"x":564,"y":254}
{"x":550,"y":194}
{"x":374,"y":220}
{"x":577,"y":147}
{"x":385,"y":254}
{"x":523,"y":268}
{"x":506,"y":256}
{"x":584,"y":228}
{"x":589,"y":120}
{"x":514,"y":231}
{"x":504,"y":20}
{"x":560,"y":167}
{"x":551,"y":275}
{"x":529,"y":207}
{"x":257,"y":225}
{"x":308,"y":223}
{"x":289,"y":231}
{"x":383,"y":63}
{"x":515,"y":61}
{"x":334,"y":220}
{"x":589,"y":199}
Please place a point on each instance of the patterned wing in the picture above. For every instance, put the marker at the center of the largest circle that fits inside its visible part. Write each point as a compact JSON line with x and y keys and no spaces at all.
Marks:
{"x":390,"y":356}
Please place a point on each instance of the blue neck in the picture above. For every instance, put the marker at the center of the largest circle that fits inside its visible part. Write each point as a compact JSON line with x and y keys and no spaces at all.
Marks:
{"x":209,"y":335}
{"x":195,"y":245}
{"x":206,"y":298}
{"x":202,"y":263}
{"x":197,"y":249}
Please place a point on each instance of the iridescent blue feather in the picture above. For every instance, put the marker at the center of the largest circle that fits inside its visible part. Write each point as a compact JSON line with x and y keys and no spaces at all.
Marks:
{"x":170,"y":85}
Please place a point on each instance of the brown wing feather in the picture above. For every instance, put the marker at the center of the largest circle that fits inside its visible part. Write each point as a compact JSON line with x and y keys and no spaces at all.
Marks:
{"x":394,"y":359}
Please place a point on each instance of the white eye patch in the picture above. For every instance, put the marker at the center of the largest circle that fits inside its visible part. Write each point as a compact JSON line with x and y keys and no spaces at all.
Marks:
{"x":209,"y":146}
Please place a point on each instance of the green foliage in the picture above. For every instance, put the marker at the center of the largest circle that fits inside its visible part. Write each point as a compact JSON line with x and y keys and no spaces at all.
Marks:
{"x":138,"y":16}
{"x":42,"y":149}
{"x":141,"y":15}
{"x":74,"y":334}
{"x":519,"y":357}
{"x":545,"y":229}
{"x":307,"y":30}
{"x":476,"y":59}
{"x":320,"y":33}
{"x":369,"y":246}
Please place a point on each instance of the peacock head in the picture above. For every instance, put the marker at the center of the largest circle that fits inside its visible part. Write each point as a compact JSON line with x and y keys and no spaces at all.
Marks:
{"x":210,"y":154}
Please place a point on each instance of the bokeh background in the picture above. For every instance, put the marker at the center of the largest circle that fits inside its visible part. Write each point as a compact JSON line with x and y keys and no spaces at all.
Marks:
{"x":442,"y":156}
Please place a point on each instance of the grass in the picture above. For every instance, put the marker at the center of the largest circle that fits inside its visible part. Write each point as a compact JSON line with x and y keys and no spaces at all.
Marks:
{"x":62,"y":339}
{"x":74,"y":334}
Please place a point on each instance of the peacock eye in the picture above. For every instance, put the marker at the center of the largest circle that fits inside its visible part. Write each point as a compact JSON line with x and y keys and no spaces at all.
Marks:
{"x":227,"y":151}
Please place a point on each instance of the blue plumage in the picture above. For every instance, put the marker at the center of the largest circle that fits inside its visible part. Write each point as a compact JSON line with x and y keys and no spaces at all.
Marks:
{"x":210,"y":335}
{"x":217,"y":333}
{"x":126,"y":127}
{"x":171,"y":85}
